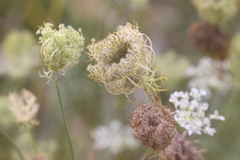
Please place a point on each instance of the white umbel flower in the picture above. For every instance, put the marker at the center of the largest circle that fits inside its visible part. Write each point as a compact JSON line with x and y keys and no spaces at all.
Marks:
{"x":114,"y":137}
{"x":24,"y":106}
{"x":190,"y":112}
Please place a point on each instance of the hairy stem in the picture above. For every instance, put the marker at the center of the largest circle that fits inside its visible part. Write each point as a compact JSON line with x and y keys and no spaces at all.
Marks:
{"x":63,"y":116}
{"x":12,"y":144}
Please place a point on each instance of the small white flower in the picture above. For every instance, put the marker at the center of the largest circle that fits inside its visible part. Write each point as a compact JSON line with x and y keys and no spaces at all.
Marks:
{"x":209,"y":131}
{"x":190,"y":112}
{"x":216,"y":116}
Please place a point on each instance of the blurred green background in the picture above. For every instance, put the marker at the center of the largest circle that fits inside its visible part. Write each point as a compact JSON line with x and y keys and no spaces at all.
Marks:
{"x":87,"y":104}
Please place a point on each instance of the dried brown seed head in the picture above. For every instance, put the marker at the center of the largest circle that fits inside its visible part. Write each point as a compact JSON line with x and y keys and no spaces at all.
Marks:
{"x":153,"y":126}
{"x":182,"y":149}
{"x":210,"y":39}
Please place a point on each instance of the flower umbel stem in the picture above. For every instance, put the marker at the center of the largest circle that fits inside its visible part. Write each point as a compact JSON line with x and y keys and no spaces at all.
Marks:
{"x":33,"y":141}
{"x":63,"y":115}
{"x":12,"y":144}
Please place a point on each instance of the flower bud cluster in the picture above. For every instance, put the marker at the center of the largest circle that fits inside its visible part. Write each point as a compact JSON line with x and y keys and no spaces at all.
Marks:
{"x":123,"y":60}
{"x":214,"y":11}
{"x":24,"y":106}
{"x":153,"y":126}
{"x":190,"y":112}
{"x":60,"y":49}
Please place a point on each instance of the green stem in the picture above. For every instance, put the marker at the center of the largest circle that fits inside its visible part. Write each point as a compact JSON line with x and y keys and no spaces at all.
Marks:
{"x":33,"y":141}
{"x":63,"y":116}
{"x":12,"y":144}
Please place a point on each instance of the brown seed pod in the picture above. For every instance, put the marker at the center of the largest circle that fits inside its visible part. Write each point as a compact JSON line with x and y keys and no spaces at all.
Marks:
{"x":153,"y":126}
{"x":210,"y":39}
{"x":182,"y":149}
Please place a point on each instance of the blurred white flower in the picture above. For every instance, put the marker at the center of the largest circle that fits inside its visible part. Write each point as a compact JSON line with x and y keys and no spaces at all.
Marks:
{"x":114,"y":137}
{"x":20,"y":54}
{"x":210,"y":73}
{"x":24,"y":106}
{"x":190,"y":112}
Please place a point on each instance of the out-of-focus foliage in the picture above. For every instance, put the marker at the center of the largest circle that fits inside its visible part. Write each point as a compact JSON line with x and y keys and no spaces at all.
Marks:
{"x":235,"y":57}
{"x":214,"y":11}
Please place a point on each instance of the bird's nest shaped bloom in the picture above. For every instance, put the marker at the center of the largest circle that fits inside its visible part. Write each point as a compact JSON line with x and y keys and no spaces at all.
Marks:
{"x":123,"y":60}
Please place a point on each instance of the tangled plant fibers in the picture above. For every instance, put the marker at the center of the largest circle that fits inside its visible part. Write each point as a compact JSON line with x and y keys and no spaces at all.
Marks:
{"x":153,"y":126}
{"x":123,"y":60}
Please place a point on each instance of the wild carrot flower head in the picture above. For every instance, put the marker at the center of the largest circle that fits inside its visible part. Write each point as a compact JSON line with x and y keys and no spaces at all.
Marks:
{"x":153,"y":125}
{"x":60,"y":48}
{"x":190,"y":112}
{"x":24,"y":107}
{"x":214,"y":11}
{"x":123,"y":60}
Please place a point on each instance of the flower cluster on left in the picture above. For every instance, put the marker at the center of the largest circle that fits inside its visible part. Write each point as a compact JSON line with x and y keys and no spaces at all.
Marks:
{"x":60,"y":49}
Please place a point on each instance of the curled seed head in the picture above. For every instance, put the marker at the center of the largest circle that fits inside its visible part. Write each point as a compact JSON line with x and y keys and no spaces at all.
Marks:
{"x":210,"y":39}
{"x":60,"y":49}
{"x":153,"y":126}
{"x":122,"y":60}
{"x":181,"y":148}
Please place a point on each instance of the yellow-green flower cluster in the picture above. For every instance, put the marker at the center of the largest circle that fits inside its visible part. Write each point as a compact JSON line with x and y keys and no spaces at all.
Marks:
{"x":214,"y":11}
{"x":60,"y":48}
{"x":123,"y":60}
{"x":234,"y":57}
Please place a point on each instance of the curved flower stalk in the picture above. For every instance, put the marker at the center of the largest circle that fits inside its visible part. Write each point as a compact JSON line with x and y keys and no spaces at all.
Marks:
{"x":25,"y":109}
{"x":190,"y":112}
{"x":214,"y":11}
{"x":123,"y":61}
{"x":4,"y":135}
{"x":60,"y":49}
{"x":60,"y":52}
